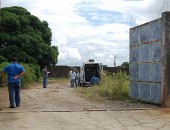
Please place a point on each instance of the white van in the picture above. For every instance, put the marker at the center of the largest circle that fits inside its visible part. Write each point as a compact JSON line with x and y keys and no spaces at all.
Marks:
{"x":88,"y":70}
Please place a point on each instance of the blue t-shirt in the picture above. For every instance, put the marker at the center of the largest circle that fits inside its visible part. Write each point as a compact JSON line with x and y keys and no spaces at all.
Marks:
{"x":12,"y":70}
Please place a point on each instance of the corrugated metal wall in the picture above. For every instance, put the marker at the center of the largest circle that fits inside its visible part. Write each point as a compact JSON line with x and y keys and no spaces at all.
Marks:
{"x":145,"y":62}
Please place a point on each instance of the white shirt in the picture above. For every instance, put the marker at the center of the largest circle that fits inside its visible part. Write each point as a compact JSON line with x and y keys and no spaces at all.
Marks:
{"x":70,"y":72}
{"x":73,"y":75}
{"x":78,"y":74}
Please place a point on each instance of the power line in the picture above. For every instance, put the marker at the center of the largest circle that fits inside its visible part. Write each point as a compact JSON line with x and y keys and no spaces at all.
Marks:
{"x":161,"y":9}
{"x":167,"y":8}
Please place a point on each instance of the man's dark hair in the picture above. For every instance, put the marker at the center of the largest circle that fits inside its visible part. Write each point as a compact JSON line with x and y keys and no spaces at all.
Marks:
{"x":15,"y":60}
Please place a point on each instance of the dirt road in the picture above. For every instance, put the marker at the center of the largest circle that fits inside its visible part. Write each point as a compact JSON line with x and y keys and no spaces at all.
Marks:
{"x":61,"y":97}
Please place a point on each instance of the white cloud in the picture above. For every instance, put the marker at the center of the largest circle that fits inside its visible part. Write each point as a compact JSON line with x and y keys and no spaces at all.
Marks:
{"x":93,"y":29}
{"x":68,"y":54}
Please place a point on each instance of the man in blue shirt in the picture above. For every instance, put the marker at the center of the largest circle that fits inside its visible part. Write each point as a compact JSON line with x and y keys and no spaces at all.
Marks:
{"x":14,"y":72}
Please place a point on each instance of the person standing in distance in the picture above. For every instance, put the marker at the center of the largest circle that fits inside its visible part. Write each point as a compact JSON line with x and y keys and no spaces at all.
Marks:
{"x":14,"y":72}
{"x":73,"y":77}
{"x":45,"y":76}
{"x":70,"y":72}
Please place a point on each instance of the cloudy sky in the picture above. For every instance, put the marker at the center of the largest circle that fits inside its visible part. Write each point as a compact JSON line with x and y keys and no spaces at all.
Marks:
{"x":92,"y":29}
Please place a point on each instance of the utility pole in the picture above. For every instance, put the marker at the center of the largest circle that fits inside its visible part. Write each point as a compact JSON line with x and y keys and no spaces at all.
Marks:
{"x":167,"y":8}
{"x":115,"y":61}
{"x":131,"y":21}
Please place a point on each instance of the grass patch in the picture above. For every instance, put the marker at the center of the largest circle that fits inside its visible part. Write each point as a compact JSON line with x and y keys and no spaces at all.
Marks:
{"x":56,"y":80}
{"x":112,"y":86}
{"x":50,"y":81}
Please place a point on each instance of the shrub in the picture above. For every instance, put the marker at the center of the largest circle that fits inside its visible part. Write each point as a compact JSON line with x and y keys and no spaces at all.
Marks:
{"x":2,"y":65}
{"x":3,"y":59}
{"x":36,"y":70}
{"x":28,"y":77}
{"x":32,"y":74}
{"x":112,"y":86}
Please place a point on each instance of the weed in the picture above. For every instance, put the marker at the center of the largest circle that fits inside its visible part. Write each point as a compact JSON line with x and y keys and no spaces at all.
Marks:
{"x":113,"y":86}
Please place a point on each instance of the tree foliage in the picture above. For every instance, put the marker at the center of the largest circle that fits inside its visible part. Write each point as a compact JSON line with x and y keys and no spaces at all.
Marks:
{"x":24,"y":36}
{"x":125,"y":64}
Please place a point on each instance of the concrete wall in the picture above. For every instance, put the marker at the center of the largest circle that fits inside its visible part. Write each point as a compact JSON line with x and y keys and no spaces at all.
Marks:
{"x":58,"y":72}
{"x":62,"y":71}
{"x":115,"y":69}
{"x":166,"y":59}
{"x":146,"y":62}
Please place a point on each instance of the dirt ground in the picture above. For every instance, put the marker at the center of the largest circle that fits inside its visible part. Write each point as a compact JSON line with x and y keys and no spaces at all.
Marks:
{"x":61,"y":97}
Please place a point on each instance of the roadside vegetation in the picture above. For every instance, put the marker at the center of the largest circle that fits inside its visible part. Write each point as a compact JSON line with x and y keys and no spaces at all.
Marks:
{"x":26,"y":37}
{"x":32,"y":74}
{"x":113,"y":86}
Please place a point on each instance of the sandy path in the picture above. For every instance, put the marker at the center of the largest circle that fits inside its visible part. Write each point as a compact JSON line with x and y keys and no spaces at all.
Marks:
{"x":60,"y":97}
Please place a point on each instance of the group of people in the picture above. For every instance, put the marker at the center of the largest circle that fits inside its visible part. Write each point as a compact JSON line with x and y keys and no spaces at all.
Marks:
{"x":15,"y":71}
{"x":74,"y":77}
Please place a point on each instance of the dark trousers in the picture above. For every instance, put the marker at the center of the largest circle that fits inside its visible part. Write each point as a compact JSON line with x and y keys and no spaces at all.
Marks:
{"x":14,"y":90}
{"x":45,"y":82}
{"x":72,"y":82}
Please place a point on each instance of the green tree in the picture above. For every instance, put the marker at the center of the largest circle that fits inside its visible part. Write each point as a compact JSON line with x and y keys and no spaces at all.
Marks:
{"x":125,"y":64}
{"x":2,"y":59}
{"x":24,"y":36}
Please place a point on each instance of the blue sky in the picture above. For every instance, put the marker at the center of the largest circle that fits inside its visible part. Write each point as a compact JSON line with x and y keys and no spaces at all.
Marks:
{"x":92,"y":29}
